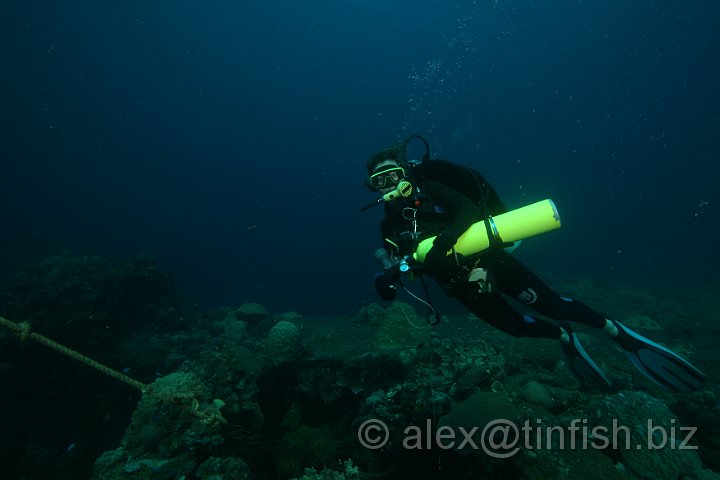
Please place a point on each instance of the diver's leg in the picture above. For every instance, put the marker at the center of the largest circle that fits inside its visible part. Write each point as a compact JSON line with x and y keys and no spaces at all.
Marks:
{"x":516,"y":280}
{"x":658,"y":363}
{"x":493,"y":309}
{"x":496,"y":311}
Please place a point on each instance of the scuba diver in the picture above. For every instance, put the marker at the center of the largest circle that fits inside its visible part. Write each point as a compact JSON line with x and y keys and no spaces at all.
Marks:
{"x":437,"y":198}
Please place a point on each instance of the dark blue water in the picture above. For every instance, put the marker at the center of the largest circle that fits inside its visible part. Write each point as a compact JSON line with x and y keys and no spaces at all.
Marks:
{"x":228,"y":138}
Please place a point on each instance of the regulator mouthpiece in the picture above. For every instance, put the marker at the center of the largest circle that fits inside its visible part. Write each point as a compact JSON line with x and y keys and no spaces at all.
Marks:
{"x":404,"y":189}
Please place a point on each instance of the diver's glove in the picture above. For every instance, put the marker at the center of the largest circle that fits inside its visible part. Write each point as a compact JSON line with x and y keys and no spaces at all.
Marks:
{"x":386,"y":286}
{"x":437,"y":260}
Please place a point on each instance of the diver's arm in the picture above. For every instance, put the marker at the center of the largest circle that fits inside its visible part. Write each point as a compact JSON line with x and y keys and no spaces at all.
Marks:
{"x":386,"y":232}
{"x":465,"y":179}
{"x":461,"y":209}
{"x":493,"y":202}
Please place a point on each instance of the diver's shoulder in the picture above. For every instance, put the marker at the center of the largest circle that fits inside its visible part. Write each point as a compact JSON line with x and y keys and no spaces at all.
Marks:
{"x":437,"y":164}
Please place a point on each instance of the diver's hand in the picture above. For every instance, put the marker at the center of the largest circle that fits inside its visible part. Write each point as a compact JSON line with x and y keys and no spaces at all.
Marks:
{"x":385,"y":286}
{"x":437,"y":259}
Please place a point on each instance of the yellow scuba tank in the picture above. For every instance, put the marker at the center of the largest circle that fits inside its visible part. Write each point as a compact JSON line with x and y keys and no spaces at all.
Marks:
{"x":509,"y":227}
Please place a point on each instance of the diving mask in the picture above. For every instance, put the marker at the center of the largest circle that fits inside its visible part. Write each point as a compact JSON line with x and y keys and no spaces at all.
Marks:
{"x":387,"y":176}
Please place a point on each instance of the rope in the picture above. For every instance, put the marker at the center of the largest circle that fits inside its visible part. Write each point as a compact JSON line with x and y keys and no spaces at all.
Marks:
{"x":24,"y":331}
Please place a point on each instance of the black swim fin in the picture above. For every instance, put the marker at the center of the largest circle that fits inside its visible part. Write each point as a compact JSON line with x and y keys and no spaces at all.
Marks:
{"x":658,"y":363}
{"x":581,"y":364}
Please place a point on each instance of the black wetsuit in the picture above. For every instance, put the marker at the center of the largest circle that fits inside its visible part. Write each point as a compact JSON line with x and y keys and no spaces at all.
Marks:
{"x":448,"y":199}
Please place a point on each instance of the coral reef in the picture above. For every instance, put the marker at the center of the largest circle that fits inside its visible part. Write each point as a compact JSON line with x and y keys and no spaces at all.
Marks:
{"x":654,"y":442}
{"x":242,"y":392}
{"x":283,"y":342}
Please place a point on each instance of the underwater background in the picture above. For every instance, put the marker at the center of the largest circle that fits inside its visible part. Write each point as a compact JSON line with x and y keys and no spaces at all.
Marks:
{"x":224,"y":143}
